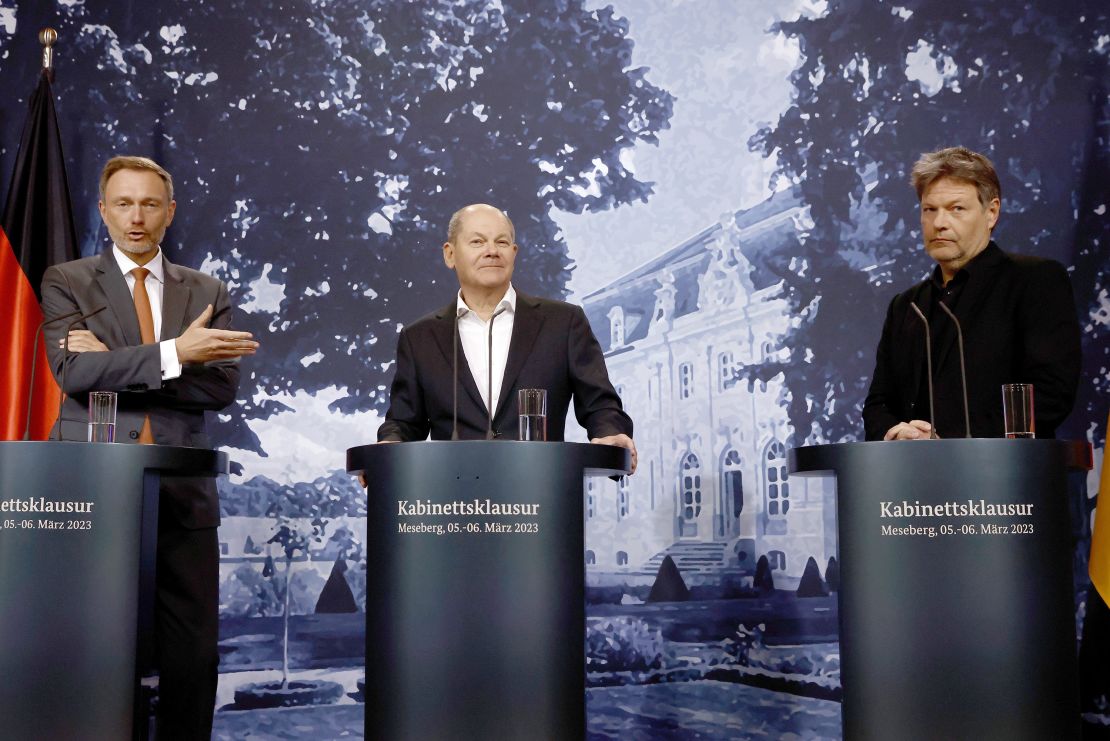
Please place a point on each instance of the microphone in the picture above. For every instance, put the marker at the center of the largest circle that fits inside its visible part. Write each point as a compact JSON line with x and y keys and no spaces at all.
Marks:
{"x":65,"y":358}
{"x":34,"y":361}
{"x":460,"y":311}
{"x":963,"y":370}
{"x":490,"y":435}
{"x":929,"y":370}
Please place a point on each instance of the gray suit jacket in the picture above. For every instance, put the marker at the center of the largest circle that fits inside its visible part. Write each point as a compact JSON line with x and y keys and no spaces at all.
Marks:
{"x":176,"y":407}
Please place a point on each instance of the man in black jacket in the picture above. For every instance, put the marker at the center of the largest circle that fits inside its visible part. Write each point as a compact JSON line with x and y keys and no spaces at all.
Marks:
{"x":1017,"y":314}
{"x":532,"y":343}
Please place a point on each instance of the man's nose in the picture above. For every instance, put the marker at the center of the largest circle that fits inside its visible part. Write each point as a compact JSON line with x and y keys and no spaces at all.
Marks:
{"x":940,"y":219}
{"x":136,"y":214}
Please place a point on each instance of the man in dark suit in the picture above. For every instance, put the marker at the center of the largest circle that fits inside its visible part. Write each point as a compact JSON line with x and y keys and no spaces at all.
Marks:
{"x":1017,"y":314}
{"x":163,"y":343}
{"x":536,"y":343}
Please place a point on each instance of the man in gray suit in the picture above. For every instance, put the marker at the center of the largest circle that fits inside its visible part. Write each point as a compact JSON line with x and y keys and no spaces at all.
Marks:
{"x":164,"y":343}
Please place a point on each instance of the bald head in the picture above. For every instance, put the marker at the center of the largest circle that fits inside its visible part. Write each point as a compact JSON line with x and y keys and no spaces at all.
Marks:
{"x":455,"y":225}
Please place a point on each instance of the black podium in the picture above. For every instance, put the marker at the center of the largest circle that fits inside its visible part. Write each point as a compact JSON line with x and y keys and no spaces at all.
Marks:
{"x":78,"y":530}
{"x":956,"y":601}
{"x":475,"y":603}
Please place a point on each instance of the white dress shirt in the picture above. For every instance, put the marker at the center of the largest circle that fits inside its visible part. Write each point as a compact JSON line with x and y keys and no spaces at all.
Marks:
{"x":474,"y":336}
{"x":155,"y":280}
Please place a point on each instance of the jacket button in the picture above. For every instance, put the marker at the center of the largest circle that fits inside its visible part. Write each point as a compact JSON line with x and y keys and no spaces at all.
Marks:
{"x":134,"y":434}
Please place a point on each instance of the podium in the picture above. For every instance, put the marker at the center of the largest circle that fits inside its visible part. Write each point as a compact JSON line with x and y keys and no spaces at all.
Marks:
{"x":78,"y":533}
{"x":475,"y":607}
{"x":957,"y":613}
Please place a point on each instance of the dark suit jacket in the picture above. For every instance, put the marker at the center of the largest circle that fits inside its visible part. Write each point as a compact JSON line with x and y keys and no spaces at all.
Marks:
{"x":1019,"y":324}
{"x":552,"y":347}
{"x":176,"y":407}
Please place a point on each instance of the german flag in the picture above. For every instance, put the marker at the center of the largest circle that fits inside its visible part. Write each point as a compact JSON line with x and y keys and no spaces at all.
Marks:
{"x":36,"y":232}
{"x":1099,"y":564}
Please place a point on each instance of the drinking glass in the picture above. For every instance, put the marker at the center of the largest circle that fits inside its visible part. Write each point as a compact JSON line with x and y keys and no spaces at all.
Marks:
{"x":102,"y":416}
{"x":532,"y":406}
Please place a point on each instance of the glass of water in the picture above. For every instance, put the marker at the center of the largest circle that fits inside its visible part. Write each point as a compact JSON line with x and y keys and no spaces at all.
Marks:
{"x":532,"y":406}
{"x":102,"y":416}
{"x":1017,"y":410}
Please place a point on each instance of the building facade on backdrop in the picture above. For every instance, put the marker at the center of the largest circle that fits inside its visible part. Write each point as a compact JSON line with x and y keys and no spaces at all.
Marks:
{"x":684,"y":336}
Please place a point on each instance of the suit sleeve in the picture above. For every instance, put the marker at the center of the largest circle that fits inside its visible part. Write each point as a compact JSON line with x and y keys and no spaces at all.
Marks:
{"x":1050,"y":354}
{"x":878,"y":408}
{"x":407,"y":419}
{"x":596,"y":403}
{"x":124,"y":369}
{"x":205,"y":386}
{"x":136,"y":368}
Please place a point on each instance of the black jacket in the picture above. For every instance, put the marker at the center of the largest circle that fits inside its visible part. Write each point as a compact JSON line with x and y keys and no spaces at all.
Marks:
{"x":1019,"y":324}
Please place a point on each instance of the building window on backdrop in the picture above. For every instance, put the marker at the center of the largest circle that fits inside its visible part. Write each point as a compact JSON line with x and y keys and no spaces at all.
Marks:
{"x":622,"y":498}
{"x":776,"y":485}
{"x":732,"y":481}
{"x":726,"y":367}
{"x":690,"y":483}
{"x":776,"y":560}
{"x":616,"y":327}
{"x":685,"y":380}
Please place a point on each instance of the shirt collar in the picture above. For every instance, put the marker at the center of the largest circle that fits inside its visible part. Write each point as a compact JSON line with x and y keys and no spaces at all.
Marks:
{"x":507,"y":303}
{"x":983,"y":262}
{"x":126,"y":264}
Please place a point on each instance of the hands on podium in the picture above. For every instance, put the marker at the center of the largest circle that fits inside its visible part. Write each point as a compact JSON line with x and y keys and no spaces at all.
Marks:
{"x":915,"y":429}
{"x":361,"y":476}
{"x":621,"y":441}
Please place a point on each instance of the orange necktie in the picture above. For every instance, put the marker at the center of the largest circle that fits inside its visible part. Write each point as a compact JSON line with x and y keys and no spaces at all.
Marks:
{"x":146,"y":331}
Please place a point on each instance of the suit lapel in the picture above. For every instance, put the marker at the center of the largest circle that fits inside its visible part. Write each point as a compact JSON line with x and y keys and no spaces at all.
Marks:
{"x":526,"y":327}
{"x":444,"y":332}
{"x":120,"y":303}
{"x":175,"y":297}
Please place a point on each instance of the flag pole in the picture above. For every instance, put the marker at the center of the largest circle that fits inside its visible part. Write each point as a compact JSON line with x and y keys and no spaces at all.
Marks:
{"x":47,"y":37}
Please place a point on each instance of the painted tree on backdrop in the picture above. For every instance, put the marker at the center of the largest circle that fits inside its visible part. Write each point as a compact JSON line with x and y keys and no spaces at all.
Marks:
{"x":877,"y":85}
{"x":325,"y":146}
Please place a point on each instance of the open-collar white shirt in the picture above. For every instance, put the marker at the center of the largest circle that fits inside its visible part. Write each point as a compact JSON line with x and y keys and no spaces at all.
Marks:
{"x":155,"y":281}
{"x":474,"y":335}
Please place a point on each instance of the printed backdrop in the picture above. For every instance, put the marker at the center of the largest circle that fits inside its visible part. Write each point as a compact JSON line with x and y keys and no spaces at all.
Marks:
{"x":721,"y":183}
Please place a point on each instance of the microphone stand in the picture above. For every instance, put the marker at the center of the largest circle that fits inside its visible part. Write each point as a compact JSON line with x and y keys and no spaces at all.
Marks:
{"x":459,"y":312}
{"x":34,"y":363}
{"x":490,"y":435}
{"x":963,"y":370}
{"x":65,"y":363}
{"x":929,"y":370}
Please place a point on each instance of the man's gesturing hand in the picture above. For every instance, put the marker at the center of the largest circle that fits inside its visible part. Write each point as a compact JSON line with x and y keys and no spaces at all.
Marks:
{"x":199,"y":344}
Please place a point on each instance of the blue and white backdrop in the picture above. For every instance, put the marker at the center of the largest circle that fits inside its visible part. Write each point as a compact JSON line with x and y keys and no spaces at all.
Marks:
{"x":721,"y":183}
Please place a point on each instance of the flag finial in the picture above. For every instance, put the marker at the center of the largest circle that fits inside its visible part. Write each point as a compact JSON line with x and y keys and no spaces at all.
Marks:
{"x":47,"y":37}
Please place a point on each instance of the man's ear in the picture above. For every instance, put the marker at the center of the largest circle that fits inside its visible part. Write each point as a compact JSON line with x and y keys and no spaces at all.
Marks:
{"x":993,"y":209}
{"x":449,"y":255}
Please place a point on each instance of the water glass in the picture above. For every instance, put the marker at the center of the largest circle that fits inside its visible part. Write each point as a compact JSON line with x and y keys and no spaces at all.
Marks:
{"x":102,"y":416}
{"x":1017,"y":410}
{"x":532,"y":406}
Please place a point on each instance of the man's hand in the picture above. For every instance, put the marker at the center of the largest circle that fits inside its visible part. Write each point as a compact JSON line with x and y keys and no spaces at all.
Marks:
{"x":82,"y":340}
{"x":362,"y":476}
{"x":915,"y":429}
{"x":199,"y":344}
{"x":621,"y":441}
